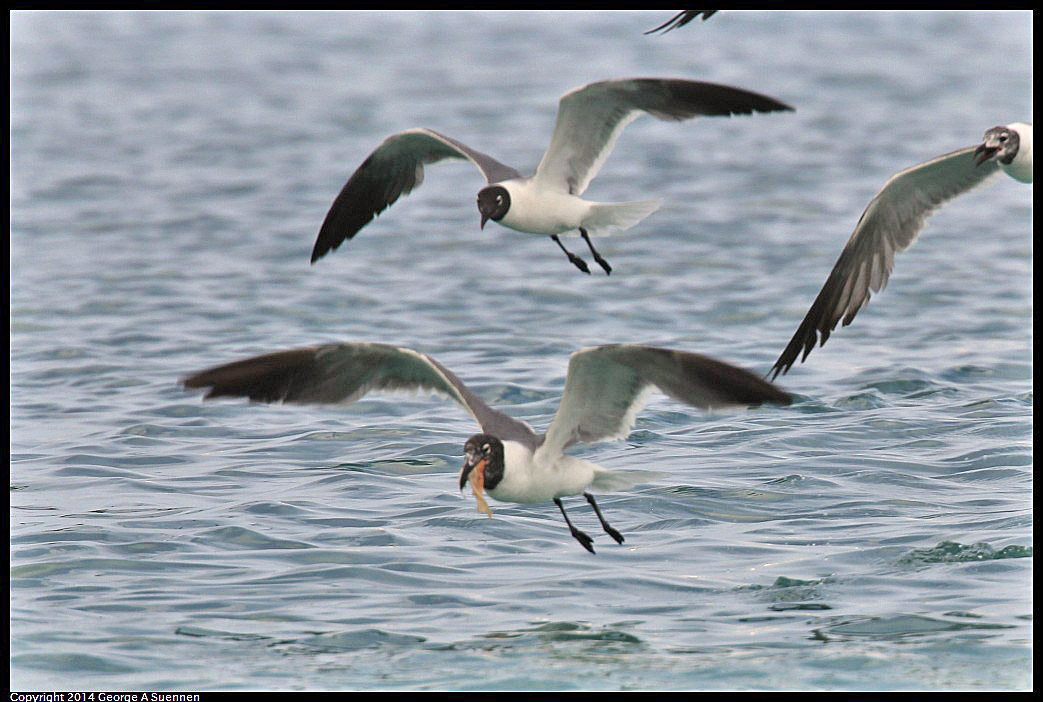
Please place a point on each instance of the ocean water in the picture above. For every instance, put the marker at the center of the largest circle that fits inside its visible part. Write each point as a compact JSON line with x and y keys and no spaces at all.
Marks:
{"x":169,"y":172}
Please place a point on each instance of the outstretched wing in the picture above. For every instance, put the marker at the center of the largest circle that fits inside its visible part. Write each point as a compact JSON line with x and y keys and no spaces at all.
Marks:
{"x":343,"y":373}
{"x":394,"y":169}
{"x":591,"y":118}
{"x":606,"y":387}
{"x":681,"y":19}
{"x":889,"y":224}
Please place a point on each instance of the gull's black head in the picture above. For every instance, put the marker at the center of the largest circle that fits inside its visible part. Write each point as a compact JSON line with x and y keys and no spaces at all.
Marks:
{"x":493,"y":203}
{"x":483,"y":453}
{"x":1000,"y":143}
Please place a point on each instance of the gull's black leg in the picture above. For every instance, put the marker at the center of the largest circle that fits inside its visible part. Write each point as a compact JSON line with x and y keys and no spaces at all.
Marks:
{"x":604,"y":525}
{"x":576,"y":260}
{"x":585,"y":540}
{"x":597,"y":257}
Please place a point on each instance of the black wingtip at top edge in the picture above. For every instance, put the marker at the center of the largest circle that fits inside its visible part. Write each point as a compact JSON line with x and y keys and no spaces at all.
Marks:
{"x":681,"y":19}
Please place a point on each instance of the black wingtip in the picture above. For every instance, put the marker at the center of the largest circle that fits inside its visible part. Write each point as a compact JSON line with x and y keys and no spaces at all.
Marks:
{"x":782,"y":398}
{"x":773,"y":105}
{"x":788,"y":357}
{"x":732,"y":385}
{"x":719,"y":100}
{"x":267,"y":378}
{"x":327,"y":240}
{"x":681,"y":19}
{"x":775,"y":370}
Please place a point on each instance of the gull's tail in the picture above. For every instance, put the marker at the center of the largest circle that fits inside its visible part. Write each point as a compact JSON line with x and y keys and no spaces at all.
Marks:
{"x":621,"y":215}
{"x":619,"y":480}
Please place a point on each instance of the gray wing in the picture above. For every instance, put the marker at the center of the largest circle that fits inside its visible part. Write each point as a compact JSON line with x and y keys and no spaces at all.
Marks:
{"x":606,"y":387}
{"x":395,"y":168}
{"x":889,"y":224}
{"x":343,"y":373}
{"x":681,"y":19}
{"x":591,"y":118}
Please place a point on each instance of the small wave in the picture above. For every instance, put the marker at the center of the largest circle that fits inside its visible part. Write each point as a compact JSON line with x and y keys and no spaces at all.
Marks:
{"x":952,"y":552}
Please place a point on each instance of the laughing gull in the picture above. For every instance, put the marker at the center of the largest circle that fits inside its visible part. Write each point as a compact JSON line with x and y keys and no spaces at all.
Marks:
{"x":892,"y":222}
{"x":681,"y":19}
{"x":548,"y":202}
{"x":605,"y":388}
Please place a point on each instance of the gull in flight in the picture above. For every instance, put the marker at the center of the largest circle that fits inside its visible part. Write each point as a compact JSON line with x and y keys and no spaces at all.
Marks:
{"x":892,"y":222}
{"x":590,"y":119}
{"x":605,"y":388}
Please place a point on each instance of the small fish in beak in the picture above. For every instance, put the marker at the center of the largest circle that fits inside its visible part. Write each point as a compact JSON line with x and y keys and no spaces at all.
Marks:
{"x":474,"y":472}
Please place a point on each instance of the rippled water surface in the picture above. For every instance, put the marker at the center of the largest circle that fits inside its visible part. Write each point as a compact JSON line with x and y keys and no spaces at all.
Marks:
{"x":169,"y":174}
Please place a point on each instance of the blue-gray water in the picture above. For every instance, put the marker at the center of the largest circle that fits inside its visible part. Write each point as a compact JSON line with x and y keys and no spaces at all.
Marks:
{"x":169,"y":174}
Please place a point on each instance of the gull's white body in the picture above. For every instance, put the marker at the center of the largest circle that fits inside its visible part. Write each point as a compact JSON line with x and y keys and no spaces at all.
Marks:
{"x":538,"y":209}
{"x":541,"y":210}
{"x":528,"y":480}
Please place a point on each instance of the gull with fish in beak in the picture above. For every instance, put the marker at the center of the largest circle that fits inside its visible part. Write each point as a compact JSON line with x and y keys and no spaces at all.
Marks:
{"x":605,"y":388}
